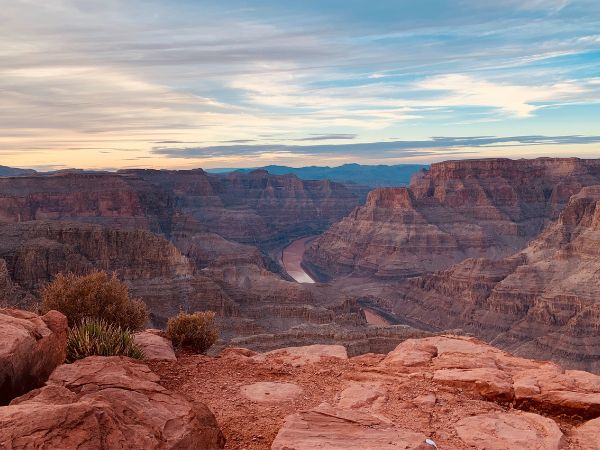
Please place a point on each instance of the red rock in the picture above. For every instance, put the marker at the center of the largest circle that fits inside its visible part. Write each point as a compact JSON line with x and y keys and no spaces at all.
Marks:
{"x":509,"y":431}
{"x":155,"y":346}
{"x":299,"y":356}
{"x":362,"y":396}
{"x":569,"y":392}
{"x":587,"y":436}
{"x":412,"y":352}
{"x":325,"y":427}
{"x":106,"y":402}
{"x":32,"y":347}
{"x":456,"y":210}
{"x":541,"y":302}
{"x":268,"y":391}
{"x":490,"y":383}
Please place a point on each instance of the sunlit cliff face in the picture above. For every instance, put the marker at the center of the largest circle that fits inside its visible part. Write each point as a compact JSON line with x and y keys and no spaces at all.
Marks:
{"x":160,"y":84}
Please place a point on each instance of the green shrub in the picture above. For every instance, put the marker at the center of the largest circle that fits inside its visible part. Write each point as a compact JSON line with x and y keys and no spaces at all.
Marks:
{"x":96,"y":337}
{"x":97,"y":295}
{"x":196,"y":332}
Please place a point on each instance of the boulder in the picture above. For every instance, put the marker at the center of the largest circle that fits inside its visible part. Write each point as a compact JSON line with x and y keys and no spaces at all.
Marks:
{"x":587,"y":436}
{"x":509,"y":431}
{"x":106,"y":402}
{"x":412,"y":352}
{"x":155,"y":346}
{"x":326,"y":427}
{"x":554,"y":391}
{"x":32,"y":347}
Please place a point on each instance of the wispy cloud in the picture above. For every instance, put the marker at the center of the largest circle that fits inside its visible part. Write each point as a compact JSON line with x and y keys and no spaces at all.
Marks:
{"x":94,"y":76}
{"x":391,"y":149}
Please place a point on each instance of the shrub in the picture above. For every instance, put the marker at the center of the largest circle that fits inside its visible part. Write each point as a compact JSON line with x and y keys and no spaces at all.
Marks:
{"x":97,"y":295}
{"x":96,"y":337}
{"x":196,"y":332}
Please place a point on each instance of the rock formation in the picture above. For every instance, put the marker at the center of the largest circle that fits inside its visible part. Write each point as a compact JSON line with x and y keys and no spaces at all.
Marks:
{"x":31,"y":348}
{"x":456,"y":210}
{"x":456,"y":392}
{"x":251,"y":207}
{"x":154,"y":346}
{"x":107,"y":402}
{"x":542,"y":302}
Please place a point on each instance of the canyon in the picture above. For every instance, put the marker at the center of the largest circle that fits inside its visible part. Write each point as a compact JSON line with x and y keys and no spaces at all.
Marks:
{"x":502,"y":249}
{"x":453,"y":211}
{"x":345,"y":315}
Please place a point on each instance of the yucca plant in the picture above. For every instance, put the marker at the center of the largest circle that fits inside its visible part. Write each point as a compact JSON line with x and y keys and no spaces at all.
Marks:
{"x":96,"y":337}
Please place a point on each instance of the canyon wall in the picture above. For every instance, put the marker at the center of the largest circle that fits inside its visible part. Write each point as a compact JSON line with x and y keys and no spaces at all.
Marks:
{"x":456,"y":210}
{"x":229,"y":278}
{"x":542,"y":302}
{"x":254,"y":207}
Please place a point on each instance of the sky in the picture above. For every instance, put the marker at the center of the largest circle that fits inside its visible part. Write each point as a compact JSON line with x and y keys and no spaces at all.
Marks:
{"x":107,"y":84}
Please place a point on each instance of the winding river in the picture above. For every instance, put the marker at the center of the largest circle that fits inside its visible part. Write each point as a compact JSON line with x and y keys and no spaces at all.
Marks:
{"x":291,"y":258}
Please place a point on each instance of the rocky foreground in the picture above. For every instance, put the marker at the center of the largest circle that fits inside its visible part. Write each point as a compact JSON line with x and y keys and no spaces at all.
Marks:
{"x":456,"y":392}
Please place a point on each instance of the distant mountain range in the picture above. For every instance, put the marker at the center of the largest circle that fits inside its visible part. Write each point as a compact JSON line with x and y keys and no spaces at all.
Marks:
{"x":373,"y":176}
{"x":13,"y":172}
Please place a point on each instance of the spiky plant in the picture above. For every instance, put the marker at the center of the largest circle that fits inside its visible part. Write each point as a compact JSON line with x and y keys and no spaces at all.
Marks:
{"x":96,"y":337}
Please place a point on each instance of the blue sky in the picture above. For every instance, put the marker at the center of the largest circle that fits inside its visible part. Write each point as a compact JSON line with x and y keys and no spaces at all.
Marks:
{"x":111,"y":84}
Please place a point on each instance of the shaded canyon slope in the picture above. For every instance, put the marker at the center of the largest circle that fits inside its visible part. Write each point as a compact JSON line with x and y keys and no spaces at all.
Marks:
{"x":255,"y":207}
{"x":177,"y":239}
{"x":456,"y":210}
{"x":542,"y":302}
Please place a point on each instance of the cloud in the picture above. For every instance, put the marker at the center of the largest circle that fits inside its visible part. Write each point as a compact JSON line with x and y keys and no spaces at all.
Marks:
{"x":80,"y":76}
{"x":328,"y":137}
{"x":518,"y":100}
{"x":393,"y":149}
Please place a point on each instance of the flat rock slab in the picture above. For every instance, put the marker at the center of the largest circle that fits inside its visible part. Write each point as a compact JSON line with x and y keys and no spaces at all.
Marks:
{"x":362,"y":396}
{"x":268,"y":391}
{"x":299,"y":356}
{"x":154,"y":346}
{"x":509,"y":431}
{"x":326,"y":427}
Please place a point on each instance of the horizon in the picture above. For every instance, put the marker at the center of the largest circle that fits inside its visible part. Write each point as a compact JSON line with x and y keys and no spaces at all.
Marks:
{"x":177,"y":85}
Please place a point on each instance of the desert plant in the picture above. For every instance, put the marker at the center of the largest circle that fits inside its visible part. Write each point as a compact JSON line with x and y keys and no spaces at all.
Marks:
{"x":96,"y":337}
{"x":96,"y":295}
{"x":196,"y":331}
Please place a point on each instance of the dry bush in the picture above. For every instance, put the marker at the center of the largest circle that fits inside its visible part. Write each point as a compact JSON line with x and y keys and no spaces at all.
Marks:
{"x":196,"y":332}
{"x":96,"y":337}
{"x":97,"y":295}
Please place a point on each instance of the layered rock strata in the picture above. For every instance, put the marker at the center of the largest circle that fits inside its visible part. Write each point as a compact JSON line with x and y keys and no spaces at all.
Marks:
{"x":542,"y":302}
{"x":456,"y":210}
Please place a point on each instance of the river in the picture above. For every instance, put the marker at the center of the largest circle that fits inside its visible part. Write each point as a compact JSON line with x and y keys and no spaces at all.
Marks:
{"x":291,"y":258}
